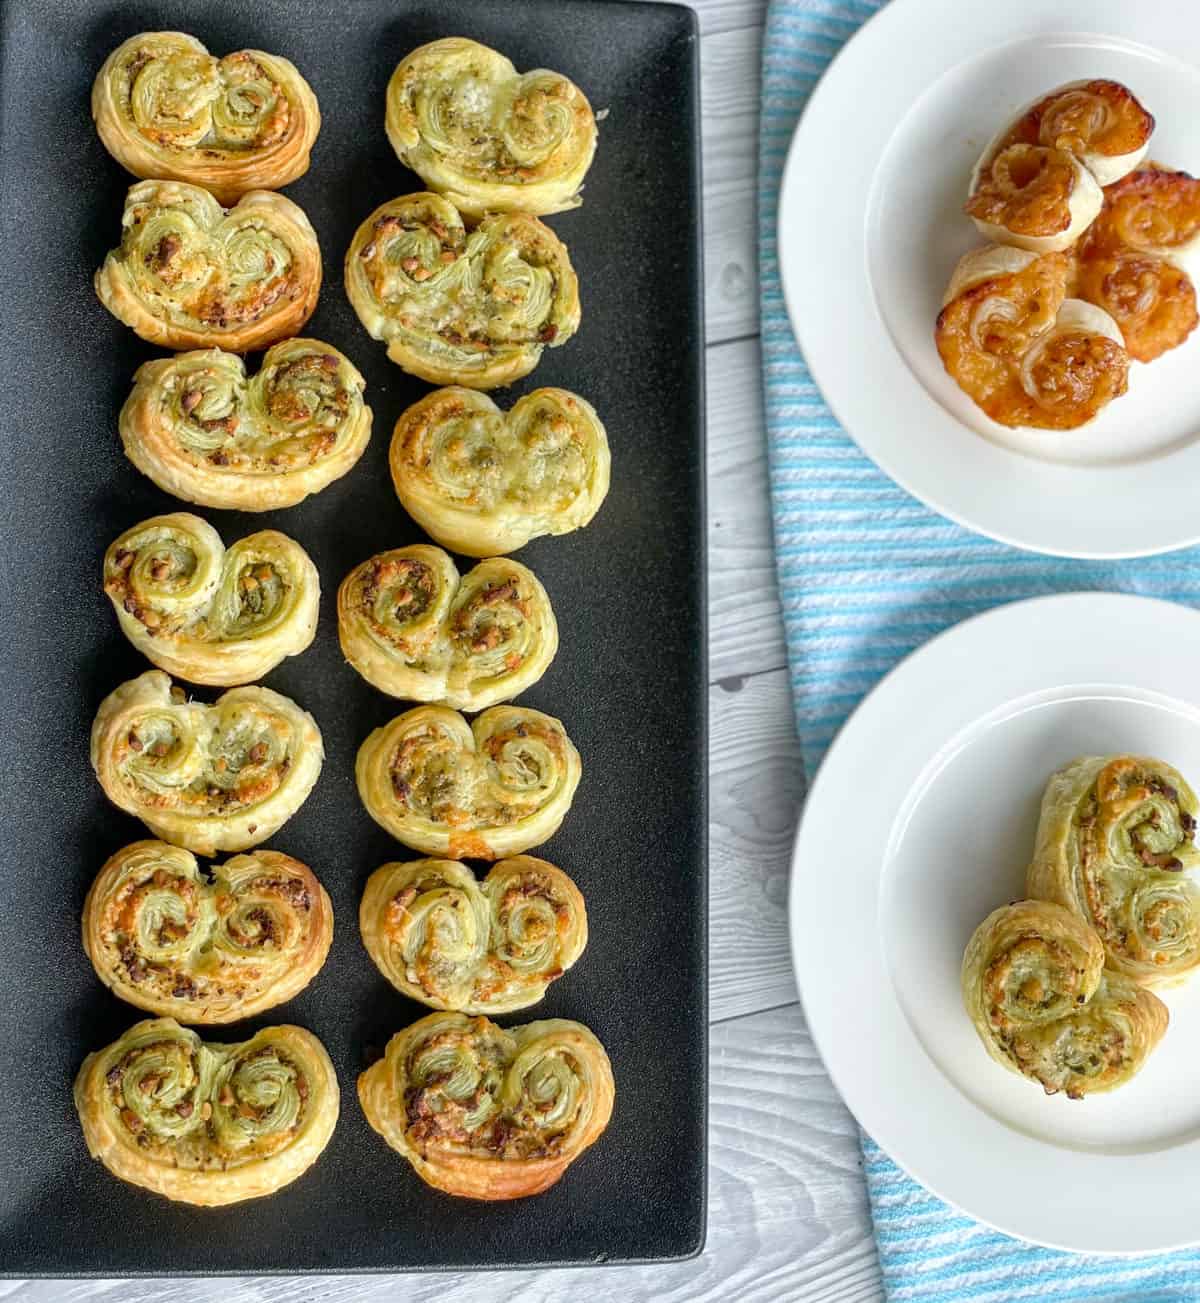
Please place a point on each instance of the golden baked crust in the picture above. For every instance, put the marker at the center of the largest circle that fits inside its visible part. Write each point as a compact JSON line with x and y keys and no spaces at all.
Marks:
{"x":491,"y":788}
{"x":481,"y":481}
{"x":164,"y":938}
{"x":1036,"y":990}
{"x":165,"y":108}
{"x":207,"y":1123}
{"x":211,"y":778}
{"x":205,"y":613}
{"x":486,"y":1113}
{"x":453,"y":943}
{"x":413,"y":627}
{"x":205,"y":432}
{"x":487,"y":137}
{"x":190,"y":274}
{"x":456,"y":307}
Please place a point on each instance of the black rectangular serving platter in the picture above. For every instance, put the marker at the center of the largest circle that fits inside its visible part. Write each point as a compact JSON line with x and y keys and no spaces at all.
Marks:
{"x":629,"y":679}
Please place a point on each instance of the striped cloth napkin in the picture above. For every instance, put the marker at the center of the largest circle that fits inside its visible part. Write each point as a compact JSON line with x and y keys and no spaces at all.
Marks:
{"x":867,"y":574}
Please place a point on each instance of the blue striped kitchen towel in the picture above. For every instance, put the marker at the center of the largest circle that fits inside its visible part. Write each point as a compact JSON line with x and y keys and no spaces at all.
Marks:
{"x":867,"y":574}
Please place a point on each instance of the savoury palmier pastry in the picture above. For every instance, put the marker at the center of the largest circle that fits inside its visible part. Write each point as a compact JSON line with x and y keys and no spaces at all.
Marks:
{"x":162,"y":937}
{"x":1021,"y":349}
{"x":1140,"y":259}
{"x":412,"y":626}
{"x":1113,"y":843}
{"x":487,"y":137}
{"x":456,"y":307}
{"x":166,"y":108}
{"x":488,"y":1113}
{"x":487,"y":789}
{"x":203,"y":430}
{"x":488,"y":947}
{"x":211,"y":778}
{"x":190,"y":274}
{"x":1037,"y":185}
{"x":205,"y":613}
{"x":1036,"y":989}
{"x":207,"y":1123}
{"x":481,"y":481}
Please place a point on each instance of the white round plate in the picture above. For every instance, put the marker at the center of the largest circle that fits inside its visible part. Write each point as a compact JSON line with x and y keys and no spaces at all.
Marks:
{"x":920,"y":822}
{"x":871,"y":225}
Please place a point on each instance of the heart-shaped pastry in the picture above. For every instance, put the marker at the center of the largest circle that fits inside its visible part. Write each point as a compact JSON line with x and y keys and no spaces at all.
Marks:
{"x":1036,"y":989}
{"x":411,"y":626}
{"x":207,"y":614}
{"x":487,"y":137}
{"x":455,"y":307}
{"x":1037,"y":184}
{"x":189,"y":274}
{"x":162,"y":937}
{"x":1024,"y":352}
{"x":212,"y":778}
{"x":488,"y":1113}
{"x":487,"y":789}
{"x":200,"y":429}
{"x":453,"y":943}
{"x":1140,"y":258}
{"x":166,"y":108}
{"x":1114,"y":845}
{"x":481,"y":481}
{"x":207,"y":1123}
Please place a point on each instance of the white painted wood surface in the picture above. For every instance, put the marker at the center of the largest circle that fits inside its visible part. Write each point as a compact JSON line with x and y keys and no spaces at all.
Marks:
{"x":787,"y":1207}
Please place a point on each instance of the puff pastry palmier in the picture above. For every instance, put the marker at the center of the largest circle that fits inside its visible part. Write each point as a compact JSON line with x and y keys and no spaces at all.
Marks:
{"x":205,"y":613}
{"x":412,"y":626}
{"x":203,"y":430}
{"x":164,"y":938}
{"x":211,"y":778}
{"x":488,"y":1113}
{"x":166,"y":108}
{"x":207,"y":1123}
{"x":488,"y":947}
{"x":1140,"y":259}
{"x":1024,"y":352}
{"x":190,"y":274}
{"x":1114,"y":842}
{"x":484,"y":790}
{"x":456,"y":307}
{"x":487,"y":137}
{"x":1037,"y":185}
{"x":481,"y":481}
{"x":1036,"y":989}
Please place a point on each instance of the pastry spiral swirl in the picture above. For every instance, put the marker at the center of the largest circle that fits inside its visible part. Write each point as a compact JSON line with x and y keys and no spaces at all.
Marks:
{"x":166,"y":108}
{"x":453,"y":943}
{"x":1140,"y":258}
{"x":1036,"y":989}
{"x":456,"y":307}
{"x":491,"y":788}
{"x":481,"y":481}
{"x":203,"y":431}
{"x":1113,"y":842}
{"x":1037,"y":185}
{"x":206,"y":614}
{"x":486,"y":1113}
{"x":1024,"y":352}
{"x":207,"y":1123}
{"x":211,"y":778}
{"x":488,"y":138}
{"x":190,"y":274}
{"x":163,"y":938}
{"x":413,"y":627}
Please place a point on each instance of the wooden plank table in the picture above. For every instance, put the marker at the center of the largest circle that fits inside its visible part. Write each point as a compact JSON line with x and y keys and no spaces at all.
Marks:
{"x":787,"y":1207}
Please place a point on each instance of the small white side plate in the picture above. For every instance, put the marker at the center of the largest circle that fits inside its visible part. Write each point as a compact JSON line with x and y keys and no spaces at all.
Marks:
{"x":871,"y":225}
{"x":920,"y":822}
